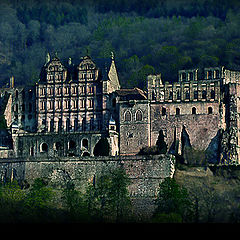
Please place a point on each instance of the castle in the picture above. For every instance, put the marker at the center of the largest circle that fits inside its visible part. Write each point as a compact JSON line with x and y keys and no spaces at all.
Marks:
{"x":82,"y":111}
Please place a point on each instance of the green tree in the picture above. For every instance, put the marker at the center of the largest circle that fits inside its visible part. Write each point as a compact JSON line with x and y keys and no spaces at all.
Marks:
{"x":75,"y":204}
{"x":11,"y":202}
{"x":172,"y":199}
{"x":108,"y":198}
{"x":38,"y":202}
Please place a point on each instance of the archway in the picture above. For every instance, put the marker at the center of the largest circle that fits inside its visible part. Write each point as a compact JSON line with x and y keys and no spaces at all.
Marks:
{"x":102,"y":148}
{"x":71,"y":145}
{"x":86,"y":154}
{"x":85,"y":143}
{"x":44,"y":147}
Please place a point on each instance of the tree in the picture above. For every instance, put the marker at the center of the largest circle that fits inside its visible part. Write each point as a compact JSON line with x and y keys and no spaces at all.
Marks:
{"x":108,"y":198}
{"x":11,"y":202}
{"x":75,"y":204}
{"x":172,"y":199}
{"x":38,"y":202}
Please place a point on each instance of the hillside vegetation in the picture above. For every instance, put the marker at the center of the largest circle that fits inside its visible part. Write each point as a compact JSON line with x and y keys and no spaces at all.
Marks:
{"x":145,"y":36}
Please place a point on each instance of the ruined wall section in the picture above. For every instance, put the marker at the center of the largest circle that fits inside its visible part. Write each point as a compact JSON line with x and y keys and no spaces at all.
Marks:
{"x":201,"y":127}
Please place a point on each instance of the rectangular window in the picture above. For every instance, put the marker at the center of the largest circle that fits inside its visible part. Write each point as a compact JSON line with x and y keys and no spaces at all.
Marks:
{"x":66,"y":104}
{"x":74,"y":104}
{"x":195,"y":94}
{"x":51,"y":105}
{"x":90,"y":103}
{"x":82,"y":103}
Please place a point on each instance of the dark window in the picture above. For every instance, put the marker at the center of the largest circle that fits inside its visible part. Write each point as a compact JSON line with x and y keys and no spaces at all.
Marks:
{"x":177,"y":111}
{"x":210,"y":110}
{"x":187,"y":95}
{"x":183,"y":76}
{"x":75,"y":124}
{"x":68,"y":125}
{"x":212,"y":94}
{"x":51,"y":125}
{"x":84,"y":124}
{"x":178,"y":95}
{"x":60,"y":125}
{"x":193,"y":110}
{"x":91,"y":124}
{"x":30,"y":116}
{"x":191,"y":76}
{"x":204,"y":94}
{"x":153,"y":95}
{"x":195,"y":94}
{"x":170,"y":95}
{"x":217,"y":74}
{"x":71,"y":145}
{"x":44,"y":147}
{"x":164,"y":111}
{"x":209,"y":74}
{"x":85,"y":143}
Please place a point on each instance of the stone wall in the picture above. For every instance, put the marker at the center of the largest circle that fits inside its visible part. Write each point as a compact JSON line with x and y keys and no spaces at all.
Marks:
{"x":201,"y":127}
{"x":134,"y":133}
{"x":145,"y":172}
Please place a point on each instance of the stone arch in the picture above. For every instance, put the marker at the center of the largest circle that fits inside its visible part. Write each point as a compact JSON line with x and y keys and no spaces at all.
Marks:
{"x":102,"y":148}
{"x":71,"y":145}
{"x":85,"y":143}
{"x":210,"y":110}
{"x":85,"y":154}
{"x":44,"y":147}
{"x":194,"y":110}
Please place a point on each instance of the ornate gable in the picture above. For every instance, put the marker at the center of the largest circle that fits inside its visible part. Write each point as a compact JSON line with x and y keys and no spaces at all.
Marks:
{"x":55,"y":71}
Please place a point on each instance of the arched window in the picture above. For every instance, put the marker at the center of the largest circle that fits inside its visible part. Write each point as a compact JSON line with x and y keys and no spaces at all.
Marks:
{"x":194,"y":110}
{"x":139,"y":115}
{"x":85,"y":143}
{"x":177,"y":111}
{"x":71,"y":145}
{"x":44,"y":147}
{"x":210,"y":110}
{"x":128,"y":116}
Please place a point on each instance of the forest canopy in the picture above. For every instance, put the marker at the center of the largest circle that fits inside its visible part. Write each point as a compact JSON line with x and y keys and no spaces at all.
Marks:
{"x":146,"y":36}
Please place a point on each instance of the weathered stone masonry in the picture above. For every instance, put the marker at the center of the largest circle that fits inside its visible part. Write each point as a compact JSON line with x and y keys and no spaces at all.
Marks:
{"x":145,"y":172}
